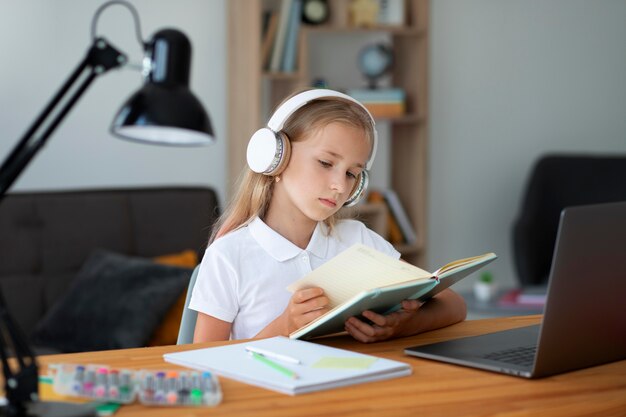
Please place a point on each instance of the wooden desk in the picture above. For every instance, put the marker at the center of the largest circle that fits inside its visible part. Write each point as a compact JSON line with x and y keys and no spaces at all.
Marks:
{"x":434,"y":389}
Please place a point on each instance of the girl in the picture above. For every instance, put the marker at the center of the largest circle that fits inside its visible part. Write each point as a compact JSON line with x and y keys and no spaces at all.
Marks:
{"x":309,"y":161}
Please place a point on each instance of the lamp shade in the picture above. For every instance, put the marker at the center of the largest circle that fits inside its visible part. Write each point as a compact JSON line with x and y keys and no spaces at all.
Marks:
{"x":164,"y":110}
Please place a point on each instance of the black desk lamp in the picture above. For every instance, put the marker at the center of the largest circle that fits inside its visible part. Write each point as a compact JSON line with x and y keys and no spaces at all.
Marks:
{"x":163,"y":111}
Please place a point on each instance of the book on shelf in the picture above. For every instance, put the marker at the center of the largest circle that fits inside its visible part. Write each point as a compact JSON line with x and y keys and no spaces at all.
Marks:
{"x":394,"y":234}
{"x":381,"y":102}
{"x":361,"y":278}
{"x":281,"y":35}
{"x":269,"y":36}
{"x":385,"y":109}
{"x":391,"y":13}
{"x":400,"y":228}
{"x":301,"y":366}
{"x":377,"y":95}
{"x":398,"y":212}
{"x":291,"y":42}
{"x":265,"y":21}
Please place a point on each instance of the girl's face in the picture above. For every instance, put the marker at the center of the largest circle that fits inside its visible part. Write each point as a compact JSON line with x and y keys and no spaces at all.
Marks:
{"x":322,"y":171}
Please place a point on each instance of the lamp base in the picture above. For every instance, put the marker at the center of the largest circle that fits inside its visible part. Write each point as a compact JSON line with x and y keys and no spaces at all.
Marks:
{"x":50,"y":409}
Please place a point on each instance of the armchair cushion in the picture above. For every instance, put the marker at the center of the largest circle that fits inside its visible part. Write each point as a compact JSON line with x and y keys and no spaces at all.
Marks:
{"x":115,"y":302}
{"x":167,"y":332}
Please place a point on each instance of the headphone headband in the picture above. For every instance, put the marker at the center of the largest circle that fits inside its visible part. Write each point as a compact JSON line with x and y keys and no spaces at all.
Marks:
{"x":269,"y":149}
{"x":289,"y":107}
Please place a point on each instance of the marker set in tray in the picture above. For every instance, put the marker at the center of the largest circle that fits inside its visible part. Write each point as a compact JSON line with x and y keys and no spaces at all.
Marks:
{"x":152,"y":387}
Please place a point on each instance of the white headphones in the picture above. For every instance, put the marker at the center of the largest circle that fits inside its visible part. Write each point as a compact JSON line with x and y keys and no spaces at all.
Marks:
{"x":269,"y":148}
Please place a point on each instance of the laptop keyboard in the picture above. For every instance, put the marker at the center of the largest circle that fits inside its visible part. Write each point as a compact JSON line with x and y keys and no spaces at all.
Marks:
{"x":522,"y":355}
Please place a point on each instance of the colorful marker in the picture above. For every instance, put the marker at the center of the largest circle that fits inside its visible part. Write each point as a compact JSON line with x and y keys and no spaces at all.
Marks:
{"x":88,"y":385}
{"x":171,"y":395}
{"x":195,"y":396}
{"x":100,"y":389}
{"x":184,"y":388}
{"x":149,"y":387}
{"x":211,"y":394}
{"x":79,"y":380}
{"x":114,"y":384}
{"x":126,"y":386}
{"x":159,"y":392}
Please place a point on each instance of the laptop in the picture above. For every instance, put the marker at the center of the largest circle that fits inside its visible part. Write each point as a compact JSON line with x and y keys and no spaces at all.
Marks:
{"x":584,"y":320}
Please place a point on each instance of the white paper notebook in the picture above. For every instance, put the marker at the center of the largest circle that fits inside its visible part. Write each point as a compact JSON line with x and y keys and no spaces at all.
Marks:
{"x":321,"y":367}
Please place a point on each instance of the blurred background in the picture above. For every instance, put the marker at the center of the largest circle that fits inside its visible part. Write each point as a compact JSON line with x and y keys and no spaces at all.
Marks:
{"x":510,"y":80}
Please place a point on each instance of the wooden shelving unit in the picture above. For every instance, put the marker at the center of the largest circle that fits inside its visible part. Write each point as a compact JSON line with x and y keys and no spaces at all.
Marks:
{"x":409,"y":133}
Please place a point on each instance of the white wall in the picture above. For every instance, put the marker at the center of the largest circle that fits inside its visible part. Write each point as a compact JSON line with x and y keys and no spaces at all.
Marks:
{"x":510,"y":80}
{"x":41,"y":41}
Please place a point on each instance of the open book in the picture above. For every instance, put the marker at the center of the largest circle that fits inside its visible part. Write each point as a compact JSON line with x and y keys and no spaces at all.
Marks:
{"x":362,"y":278}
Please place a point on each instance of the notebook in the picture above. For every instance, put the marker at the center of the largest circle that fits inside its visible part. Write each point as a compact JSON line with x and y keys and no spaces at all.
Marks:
{"x":321,"y":367}
{"x":584,"y":321}
{"x":362,"y":278}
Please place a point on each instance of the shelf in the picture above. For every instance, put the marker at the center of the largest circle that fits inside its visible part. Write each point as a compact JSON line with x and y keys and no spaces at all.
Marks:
{"x":253,"y":91}
{"x":286,"y":76}
{"x":394,"y":30}
{"x":405,"y":119}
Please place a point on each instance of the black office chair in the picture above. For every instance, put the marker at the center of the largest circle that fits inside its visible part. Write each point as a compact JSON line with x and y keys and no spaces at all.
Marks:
{"x":556,"y":182}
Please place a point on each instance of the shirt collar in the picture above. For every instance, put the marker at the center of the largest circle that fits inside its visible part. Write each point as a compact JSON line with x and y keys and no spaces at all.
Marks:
{"x":318,"y":245}
{"x":281,"y":249}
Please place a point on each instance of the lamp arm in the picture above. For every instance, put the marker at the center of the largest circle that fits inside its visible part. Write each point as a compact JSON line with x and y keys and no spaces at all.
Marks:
{"x":100,"y":58}
{"x":21,"y":383}
{"x":21,"y":379}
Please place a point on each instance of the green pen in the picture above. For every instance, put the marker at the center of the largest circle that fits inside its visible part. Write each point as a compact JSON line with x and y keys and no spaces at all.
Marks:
{"x":274,"y":365}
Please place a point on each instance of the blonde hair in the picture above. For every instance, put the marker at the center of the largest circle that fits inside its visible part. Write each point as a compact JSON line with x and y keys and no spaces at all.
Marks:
{"x":254,"y":190}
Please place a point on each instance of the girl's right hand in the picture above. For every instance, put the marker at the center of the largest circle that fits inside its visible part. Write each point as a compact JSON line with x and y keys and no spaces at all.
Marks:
{"x":304,"y":306}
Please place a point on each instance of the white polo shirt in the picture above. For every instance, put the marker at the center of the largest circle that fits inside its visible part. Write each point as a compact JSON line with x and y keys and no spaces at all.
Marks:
{"x":244,"y":274}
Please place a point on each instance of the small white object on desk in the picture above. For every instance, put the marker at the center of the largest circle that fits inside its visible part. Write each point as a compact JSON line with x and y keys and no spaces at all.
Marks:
{"x":272,"y":355}
{"x":484,"y":291}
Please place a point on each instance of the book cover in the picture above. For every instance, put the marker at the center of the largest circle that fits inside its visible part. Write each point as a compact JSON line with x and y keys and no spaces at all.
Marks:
{"x":320,"y":367}
{"x":377,"y":95}
{"x":391,"y":12}
{"x":362,"y":278}
{"x":385,"y":109}
{"x":268,"y":40}
{"x":281,"y":35}
{"x":291,"y":43}
{"x":394,"y":234}
{"x":398,"y":212}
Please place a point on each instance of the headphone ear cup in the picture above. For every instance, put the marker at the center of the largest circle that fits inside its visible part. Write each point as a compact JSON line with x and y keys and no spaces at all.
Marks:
{"x":283,"y":159}
{"x":268,"y":152}
{"x":359,"y":189}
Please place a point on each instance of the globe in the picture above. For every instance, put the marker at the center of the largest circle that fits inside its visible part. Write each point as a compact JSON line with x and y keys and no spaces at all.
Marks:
{"x":375,"y":61}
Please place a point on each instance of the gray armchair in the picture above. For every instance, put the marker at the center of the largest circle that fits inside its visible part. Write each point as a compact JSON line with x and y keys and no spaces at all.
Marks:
{"x":555,"y":182}
{"x":188,"y":321}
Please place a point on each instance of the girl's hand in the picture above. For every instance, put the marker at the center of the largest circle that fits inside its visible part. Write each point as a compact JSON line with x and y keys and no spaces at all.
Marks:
{"x":383,"y":327}
{"x":304,"y":306}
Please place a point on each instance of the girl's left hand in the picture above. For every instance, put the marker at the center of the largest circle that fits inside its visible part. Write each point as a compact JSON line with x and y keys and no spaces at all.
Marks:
{"x":382,"y":327}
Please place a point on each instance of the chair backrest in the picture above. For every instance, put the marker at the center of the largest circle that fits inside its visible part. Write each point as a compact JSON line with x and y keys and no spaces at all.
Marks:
{"x":556,"y":182}
{"x":188,"y":321}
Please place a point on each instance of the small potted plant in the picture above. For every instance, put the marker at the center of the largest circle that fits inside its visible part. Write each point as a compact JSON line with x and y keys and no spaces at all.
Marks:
{"x":485,"y":287}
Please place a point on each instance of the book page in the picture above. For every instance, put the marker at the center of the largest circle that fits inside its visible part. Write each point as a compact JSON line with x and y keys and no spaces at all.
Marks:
{"x":357,"y":269}
{"x":462,"y":263}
